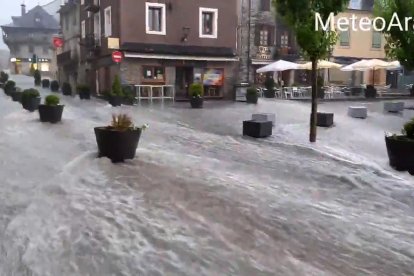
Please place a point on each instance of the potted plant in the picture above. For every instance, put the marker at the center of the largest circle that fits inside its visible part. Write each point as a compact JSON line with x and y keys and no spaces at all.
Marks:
{"x":4,"y":77}
{"x":9,"y":87}
{"x":51,"y":111}
{"x":196,"y":92}
{"x":84,"y":92}
{"x":17,"y":95}
{"x":400,"y":148}
{"x":45,"y":83}
{"x":30,"y":99}
{"x":118,"y":141}
{"x":320,"y":89}
{"x":251,"y":95}
{"x":370,"y":91}
{"x":116,"y":95}
{"x":66,"y":89}
{"x":129,"y":94}
{"x":37,"y":78}
{"x":54,"y":86}
{"x":270,"y":88}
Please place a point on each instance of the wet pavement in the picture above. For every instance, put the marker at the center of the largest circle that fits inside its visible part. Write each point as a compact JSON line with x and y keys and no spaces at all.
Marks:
{"x":200,"y":199}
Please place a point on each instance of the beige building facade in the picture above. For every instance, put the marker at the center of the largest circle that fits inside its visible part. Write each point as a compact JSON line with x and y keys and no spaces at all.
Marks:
{"x":356,"y":44}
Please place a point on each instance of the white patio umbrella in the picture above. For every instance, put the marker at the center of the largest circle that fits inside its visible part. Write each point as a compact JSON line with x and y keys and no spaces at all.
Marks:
{"x":367,"y":64}
{"x":322,"y":64}
{"x":280,"y":65}
{"x":394,"y":65}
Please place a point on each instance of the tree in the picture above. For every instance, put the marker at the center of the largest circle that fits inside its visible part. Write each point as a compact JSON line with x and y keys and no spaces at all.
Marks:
{"x":399,"y":41}
{"x":315,"y":43}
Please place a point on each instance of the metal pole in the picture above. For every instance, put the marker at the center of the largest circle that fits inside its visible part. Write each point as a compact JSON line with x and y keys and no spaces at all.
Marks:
{"x":248,"y":38}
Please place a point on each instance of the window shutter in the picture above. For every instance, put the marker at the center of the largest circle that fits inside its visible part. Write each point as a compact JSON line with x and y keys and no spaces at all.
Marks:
{"x":271,"y":36}
{"x":257,"y":35}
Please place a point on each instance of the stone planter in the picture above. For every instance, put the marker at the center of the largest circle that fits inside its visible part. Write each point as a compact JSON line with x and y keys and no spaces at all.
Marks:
{"x":115,"y":100}
{"x":117,"y":145}
{"x":325,"y":119}
{"x":400,"y":152}
{"x":269,"y":93}
{"x":50,"y":113}
{"x":251,"y":98}
{"x":257,"y":129}
{"x":265,"y":117}
{"x":196,"y":102}
{"x":394,"y":107}
{"x":360,"y":112}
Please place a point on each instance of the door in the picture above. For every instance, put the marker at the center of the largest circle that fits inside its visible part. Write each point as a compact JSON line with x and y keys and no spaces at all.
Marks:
{"x":183,"y":79}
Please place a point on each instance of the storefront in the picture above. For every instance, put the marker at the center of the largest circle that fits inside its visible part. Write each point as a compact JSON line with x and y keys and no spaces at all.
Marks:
{"x":181,"y":72}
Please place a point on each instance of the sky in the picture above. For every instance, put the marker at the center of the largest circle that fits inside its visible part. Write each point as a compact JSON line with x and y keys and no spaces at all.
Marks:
{"x":11,"y":8}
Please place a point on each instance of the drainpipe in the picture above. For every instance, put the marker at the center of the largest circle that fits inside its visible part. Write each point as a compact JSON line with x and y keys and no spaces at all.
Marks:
{"x":249,"y":4}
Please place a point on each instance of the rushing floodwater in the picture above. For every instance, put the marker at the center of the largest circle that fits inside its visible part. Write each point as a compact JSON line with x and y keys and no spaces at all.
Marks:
{"x":200,"y":199}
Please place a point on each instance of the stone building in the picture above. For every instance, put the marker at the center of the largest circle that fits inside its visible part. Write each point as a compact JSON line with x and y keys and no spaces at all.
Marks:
{"x":161,"y":47}
{"x":263,"y":39}
{"x":30,"y":35}
{"x":68,"y":58}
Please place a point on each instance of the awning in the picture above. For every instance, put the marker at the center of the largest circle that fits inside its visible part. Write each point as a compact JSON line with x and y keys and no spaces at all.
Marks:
{"x":261,"y":62}
{"x":173,"y":57}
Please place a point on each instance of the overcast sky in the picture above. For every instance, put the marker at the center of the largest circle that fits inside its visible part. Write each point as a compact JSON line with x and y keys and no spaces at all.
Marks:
{"x":11,"y":8}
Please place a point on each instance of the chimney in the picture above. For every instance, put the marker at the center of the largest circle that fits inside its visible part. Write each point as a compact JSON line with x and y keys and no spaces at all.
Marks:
{"x":23,"y":9}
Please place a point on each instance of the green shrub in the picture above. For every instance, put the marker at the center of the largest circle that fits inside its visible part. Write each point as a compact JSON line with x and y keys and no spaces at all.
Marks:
{"x":4,"y":77}
{"x":9,"y":87}
{"x":52,"y":100}
{"x":196,"y":90}
{"x":54,"y":86}
{"x":117,"y":88}
{"x":29,"y":94}
{"x":83,"y":88}
{"x":129,"y":93}
{"x":409,"y":129}
{"x":66,"y":89}
{"x":37,"y":77}
{"x":251,"y":91}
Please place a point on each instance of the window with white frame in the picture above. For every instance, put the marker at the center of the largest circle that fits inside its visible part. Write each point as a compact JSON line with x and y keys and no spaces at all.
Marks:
{"x":83,"y":29}
{"x":208,"y":19}
{"x":97,"y":28}
{"x":155,"y":18}
{"x":108,"y":21}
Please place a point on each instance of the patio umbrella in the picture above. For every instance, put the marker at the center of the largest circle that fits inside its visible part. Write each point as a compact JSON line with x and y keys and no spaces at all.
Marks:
{"x":280,"y":65}
{"x":367,"y":64}
{"x":322,"y":64}
{"x":394,"y":65}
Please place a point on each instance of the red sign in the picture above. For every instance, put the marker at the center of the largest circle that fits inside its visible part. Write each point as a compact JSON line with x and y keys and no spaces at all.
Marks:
{"x":57,"y":42}
{"x":117,"y":56}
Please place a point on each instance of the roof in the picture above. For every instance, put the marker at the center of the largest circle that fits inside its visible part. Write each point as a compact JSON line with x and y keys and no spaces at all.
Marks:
{"x":362,"y":5}
{"x":35,"y":18}
{"x":52,"y":8}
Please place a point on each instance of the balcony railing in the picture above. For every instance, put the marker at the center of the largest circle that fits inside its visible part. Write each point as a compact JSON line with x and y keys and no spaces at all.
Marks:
{"x":92,"y":6}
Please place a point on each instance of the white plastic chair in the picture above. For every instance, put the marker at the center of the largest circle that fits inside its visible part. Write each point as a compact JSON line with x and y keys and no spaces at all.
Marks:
{"x":288,"y":92}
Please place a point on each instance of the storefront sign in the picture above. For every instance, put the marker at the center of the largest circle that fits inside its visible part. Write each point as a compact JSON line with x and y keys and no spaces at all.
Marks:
{"x":264,"y":53}
{"x":213,"y":77}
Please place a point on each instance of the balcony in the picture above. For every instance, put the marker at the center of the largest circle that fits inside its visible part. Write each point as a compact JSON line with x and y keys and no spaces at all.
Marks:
{"x":92,"y":6}
{"x":67,"y":58}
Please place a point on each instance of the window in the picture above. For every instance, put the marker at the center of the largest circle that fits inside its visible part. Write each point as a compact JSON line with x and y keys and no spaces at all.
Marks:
{"x":376,"y":40}
{"x":155,"y":18}
{"x":108,"y":22}
{"x":265,"y":5}
{"x":82,"y":2}
{"x":208,"y":22}
{"x":344,"y":38}
{"x":97,"y":28}
{"x":153,"y":73}
{"x":264,"y":35}
{"x":83,"y":29}
{"x":284,"y":40}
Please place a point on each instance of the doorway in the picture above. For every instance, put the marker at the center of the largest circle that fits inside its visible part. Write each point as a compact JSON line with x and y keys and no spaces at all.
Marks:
{"x":184,"y":76}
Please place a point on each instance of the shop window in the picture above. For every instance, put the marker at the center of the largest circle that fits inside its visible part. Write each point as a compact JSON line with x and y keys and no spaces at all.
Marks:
{"x":154,"y":73}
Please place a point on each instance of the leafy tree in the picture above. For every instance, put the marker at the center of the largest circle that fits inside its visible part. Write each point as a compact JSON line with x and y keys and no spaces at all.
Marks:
{"x":316,"y":44}
{"x":399,"y":41}
{"x":117,"y":87}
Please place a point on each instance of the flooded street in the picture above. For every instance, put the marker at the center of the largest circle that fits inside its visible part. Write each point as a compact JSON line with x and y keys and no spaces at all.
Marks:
{"x":199,"y":199}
